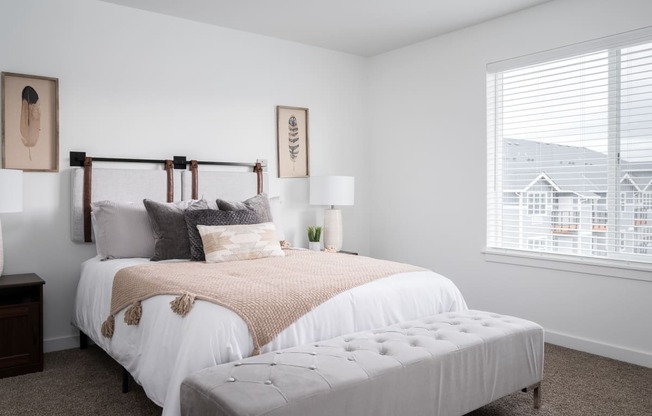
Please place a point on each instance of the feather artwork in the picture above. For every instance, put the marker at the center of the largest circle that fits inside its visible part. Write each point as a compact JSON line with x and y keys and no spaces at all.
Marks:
{"x":30,"y":119}
{"x":293,"y":137}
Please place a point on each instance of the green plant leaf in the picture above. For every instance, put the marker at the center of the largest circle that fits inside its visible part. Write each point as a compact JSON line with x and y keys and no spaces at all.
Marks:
{"x":314,"y":234}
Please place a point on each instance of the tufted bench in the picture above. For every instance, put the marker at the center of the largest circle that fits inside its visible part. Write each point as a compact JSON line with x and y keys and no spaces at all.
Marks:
{"x":446,"y":364}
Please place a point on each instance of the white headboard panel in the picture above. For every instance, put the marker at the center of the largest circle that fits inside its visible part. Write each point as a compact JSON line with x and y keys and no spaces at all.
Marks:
{"x":125,"y":185}
{"x":224,"y":185}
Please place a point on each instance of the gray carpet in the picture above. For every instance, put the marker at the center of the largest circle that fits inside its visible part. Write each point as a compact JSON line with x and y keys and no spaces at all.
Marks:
{"x":88,"y":382}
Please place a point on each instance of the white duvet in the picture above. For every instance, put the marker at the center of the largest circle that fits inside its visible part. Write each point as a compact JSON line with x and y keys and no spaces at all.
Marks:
{"x":165,"y":348}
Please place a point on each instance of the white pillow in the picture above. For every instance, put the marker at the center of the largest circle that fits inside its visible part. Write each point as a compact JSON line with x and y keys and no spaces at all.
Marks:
{"x":122,"y":230}
{"x":239,"y":242}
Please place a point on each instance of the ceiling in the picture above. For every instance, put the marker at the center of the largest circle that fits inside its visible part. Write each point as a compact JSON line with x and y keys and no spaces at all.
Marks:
{"x":360,"y":27}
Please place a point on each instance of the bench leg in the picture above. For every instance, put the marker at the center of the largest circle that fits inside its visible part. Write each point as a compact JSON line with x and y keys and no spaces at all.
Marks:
{"x":537,"y":395}
{"x":536,"y":388}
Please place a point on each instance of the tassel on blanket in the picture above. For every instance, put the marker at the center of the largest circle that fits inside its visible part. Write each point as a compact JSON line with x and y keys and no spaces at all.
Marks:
{"x":133,"y":314}
{"x":181,"y":305}
{"x":108,"y":326}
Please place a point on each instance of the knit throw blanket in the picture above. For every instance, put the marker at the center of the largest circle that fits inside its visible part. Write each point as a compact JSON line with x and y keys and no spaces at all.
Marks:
{"x":269,"y":294}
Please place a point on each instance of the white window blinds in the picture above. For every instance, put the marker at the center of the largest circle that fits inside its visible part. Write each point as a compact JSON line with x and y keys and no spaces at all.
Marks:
{"x":570,"y":150}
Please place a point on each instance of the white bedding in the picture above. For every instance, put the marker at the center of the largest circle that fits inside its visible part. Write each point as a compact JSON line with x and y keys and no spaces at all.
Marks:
{"x":165,"y":348}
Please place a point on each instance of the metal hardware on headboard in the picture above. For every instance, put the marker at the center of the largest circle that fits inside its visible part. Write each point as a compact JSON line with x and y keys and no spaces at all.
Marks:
{"x":77,"y":159}
{"x":180,"y":162}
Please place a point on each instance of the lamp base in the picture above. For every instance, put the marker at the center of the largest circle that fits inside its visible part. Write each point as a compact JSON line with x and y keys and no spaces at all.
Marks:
{"x":333,"y":228}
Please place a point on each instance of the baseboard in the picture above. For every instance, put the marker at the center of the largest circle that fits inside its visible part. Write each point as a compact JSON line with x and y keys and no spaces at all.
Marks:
{"x":606,"y":350}
{"x":61,"y":343}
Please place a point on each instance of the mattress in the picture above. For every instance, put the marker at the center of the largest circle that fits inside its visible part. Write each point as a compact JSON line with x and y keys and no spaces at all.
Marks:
{"x":165,"y":347}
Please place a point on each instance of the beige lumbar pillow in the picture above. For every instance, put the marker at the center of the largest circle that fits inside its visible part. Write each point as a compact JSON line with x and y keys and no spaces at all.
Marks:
{"x":239,"y":242}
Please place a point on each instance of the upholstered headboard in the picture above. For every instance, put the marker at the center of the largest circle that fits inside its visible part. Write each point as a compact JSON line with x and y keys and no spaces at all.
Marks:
{"x":223,"y":185}
{"x":132,"y":185}
{"x":124,"y":185}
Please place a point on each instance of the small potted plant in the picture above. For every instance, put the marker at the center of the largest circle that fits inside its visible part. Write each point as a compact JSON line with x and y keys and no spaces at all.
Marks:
{"x":314,"y":235}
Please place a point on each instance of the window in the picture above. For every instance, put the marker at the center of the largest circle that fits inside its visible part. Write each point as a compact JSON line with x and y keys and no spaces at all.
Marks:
{"x":536,"y":203}
{"x":570,"y":143}
{"x":623,"y":200}
{"x":537,"y":243}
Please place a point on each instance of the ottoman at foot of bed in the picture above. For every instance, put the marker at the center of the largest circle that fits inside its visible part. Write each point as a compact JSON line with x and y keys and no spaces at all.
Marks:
{"x":445,"y":364}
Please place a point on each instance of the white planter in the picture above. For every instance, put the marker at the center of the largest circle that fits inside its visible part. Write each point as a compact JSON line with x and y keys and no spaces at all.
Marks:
{"x":314,"y":245}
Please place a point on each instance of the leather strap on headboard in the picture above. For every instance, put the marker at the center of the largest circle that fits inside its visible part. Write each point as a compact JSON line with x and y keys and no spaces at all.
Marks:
{"x":88,"y":181}
{"x":169,"y":169}
{"x":259,"y":177}
{"x":195,"y":180}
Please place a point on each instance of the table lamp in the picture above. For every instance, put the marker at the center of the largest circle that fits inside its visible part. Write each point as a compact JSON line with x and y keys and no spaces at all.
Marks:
{"x":11,"y":199}
{"x":332,"y":190}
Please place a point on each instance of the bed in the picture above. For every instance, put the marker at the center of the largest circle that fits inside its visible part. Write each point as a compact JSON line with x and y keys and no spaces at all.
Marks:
{"x":165,"y":347}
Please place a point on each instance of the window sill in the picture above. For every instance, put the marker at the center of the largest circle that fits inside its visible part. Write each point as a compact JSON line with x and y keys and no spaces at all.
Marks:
{"x":610,"y":268}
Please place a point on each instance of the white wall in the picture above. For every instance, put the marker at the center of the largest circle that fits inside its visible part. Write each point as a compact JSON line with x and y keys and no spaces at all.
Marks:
{"x":428,"y":129}
{"x":138,"y":84}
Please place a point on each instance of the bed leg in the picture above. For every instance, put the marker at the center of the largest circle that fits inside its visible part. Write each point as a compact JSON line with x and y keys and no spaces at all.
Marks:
{"x":125,"y":380}
{"x":537,"y":395}
{"x":83,"y":341}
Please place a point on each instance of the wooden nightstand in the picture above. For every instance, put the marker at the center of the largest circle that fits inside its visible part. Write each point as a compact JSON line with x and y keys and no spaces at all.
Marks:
{"x":21,"y":324}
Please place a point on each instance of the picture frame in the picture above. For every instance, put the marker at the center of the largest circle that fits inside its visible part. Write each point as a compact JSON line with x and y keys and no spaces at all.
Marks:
{"x":30,"y":122}
{"x":292,"y":143}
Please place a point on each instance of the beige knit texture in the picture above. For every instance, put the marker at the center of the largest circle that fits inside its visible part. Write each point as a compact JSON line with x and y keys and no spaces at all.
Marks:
{"x":269,"y":294}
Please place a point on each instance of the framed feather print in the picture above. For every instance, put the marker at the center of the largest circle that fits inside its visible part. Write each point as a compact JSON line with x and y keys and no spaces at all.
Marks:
{"x":292,"y":142}
{"x":30,"y":123}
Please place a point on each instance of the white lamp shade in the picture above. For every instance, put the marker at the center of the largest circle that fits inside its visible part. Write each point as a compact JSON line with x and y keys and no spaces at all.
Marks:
{"x":11,"y":190}
{"x":332,"y":190}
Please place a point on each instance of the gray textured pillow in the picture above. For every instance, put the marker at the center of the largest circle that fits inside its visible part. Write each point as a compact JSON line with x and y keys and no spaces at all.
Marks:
{"x":258,"y":204}
{"x":169,"y":228}
{"x":213,"y":217}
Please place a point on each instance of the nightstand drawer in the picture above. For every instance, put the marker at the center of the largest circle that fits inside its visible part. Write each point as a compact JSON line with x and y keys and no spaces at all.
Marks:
{"x":21,"y":324}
